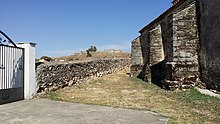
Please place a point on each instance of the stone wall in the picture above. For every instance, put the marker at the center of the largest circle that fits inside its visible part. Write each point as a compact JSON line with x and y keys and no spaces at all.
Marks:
{"x":136,"y":57}
{"x":170,"y":47}
{"x":156,"y":46}
{"x":210,"y":42}
{"x":53,"y":76}
{"x":181,"y":48}
{"x":154,"y":70}
{"x":184,"y":66}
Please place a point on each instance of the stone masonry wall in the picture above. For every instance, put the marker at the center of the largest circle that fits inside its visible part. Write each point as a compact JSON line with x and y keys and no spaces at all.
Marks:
{"x":157,"y":55}
{"x":53,"y":76}
{"x":170,"y":47}
{"x":145,"y":74}
{"x":181,"y":48}
{"x":184,"y":65}
{"x":209,"y":20}
{"x":136,"y":57}
{"x":156,"y":46}
{"x":155,"y":40}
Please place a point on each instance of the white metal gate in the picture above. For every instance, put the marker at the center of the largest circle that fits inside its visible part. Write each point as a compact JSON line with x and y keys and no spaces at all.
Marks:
{"x":11,"y":73}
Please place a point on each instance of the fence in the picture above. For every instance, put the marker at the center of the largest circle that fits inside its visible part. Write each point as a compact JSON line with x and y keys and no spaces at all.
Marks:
{"x":11,"y":73}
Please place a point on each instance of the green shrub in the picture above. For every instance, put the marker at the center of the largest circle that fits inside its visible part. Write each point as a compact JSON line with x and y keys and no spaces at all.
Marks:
{"x":46,"y":58}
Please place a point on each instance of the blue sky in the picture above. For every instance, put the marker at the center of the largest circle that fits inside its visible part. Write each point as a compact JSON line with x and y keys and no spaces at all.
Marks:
{"x":62,"y":27}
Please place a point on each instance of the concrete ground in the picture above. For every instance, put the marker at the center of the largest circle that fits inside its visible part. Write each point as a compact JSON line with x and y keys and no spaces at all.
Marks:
{"x":42,"y":111}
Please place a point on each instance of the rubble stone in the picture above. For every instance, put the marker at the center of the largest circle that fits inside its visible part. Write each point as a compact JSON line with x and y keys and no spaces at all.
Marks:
{"x":55,"y":75}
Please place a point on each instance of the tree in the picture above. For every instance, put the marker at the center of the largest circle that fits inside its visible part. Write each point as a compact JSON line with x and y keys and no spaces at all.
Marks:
{"x":92,"y":49}
{"x":46,"y":58}
{"x":88,"y":54}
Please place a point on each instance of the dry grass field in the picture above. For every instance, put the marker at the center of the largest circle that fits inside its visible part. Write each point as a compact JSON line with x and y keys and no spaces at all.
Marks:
{"x":95,"y":55}
{"x":120,"y":90}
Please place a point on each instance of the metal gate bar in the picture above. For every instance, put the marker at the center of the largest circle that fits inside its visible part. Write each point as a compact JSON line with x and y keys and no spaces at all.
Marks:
{"x":11,"y":74}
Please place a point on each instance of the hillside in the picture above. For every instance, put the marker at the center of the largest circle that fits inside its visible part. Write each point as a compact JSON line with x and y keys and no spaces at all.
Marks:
{"x":95,"y":55}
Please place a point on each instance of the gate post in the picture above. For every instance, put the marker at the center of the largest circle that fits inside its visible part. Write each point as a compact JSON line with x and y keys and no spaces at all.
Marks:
{"x":29,"y":69}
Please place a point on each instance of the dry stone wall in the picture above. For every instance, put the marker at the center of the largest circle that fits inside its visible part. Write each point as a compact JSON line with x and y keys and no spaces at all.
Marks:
{"x":53,"y":76}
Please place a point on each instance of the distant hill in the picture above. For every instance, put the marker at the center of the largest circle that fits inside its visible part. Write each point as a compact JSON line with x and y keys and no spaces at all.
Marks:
{"x":111,"y":53}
